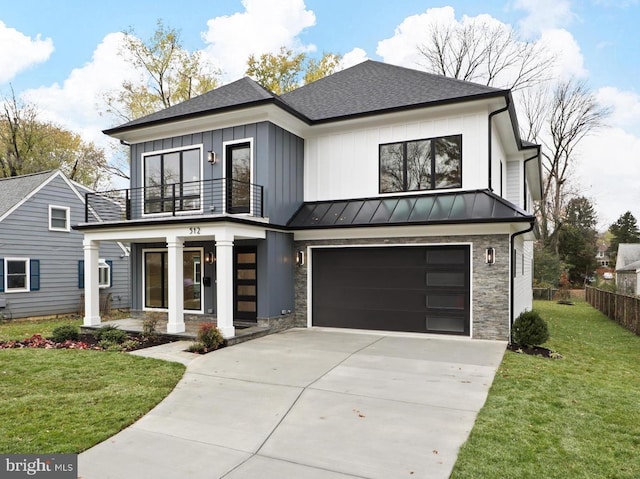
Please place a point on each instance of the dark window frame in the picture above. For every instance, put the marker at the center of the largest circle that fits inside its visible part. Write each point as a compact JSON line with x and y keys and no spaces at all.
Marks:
{"x":433,"y":165}
{"x":168,"y":203}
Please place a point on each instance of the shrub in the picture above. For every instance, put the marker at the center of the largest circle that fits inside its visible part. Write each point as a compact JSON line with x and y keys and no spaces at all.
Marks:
{"x":110,"y":333}
{"x":65,"y":332}
{"x":529,"y":329}
{"x":210,"y":336}
{"x":149,"y":325}
{"x":109,"y":345}
{"x":197,"y":348}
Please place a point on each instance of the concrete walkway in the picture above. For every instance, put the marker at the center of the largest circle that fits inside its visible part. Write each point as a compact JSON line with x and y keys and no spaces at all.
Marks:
{"x":310,"y":403}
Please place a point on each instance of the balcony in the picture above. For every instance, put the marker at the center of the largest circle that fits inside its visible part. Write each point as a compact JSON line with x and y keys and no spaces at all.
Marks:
{"x":222,"y":196}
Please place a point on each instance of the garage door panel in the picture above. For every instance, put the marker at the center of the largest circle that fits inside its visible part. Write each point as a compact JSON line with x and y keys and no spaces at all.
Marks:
{"x":380,"y":299}
{"x":398,"y":288}
{"x":396,"y":277}
{"x":372,"y":319}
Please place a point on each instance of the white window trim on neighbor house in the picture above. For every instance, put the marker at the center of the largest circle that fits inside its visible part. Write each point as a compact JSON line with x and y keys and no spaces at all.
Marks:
{"x":67,"y":217}
{"x":104,"y":274}
{"x":27,"y":274}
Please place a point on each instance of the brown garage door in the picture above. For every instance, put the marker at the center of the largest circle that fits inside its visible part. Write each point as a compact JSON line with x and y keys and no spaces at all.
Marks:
{"x":399,"y":288}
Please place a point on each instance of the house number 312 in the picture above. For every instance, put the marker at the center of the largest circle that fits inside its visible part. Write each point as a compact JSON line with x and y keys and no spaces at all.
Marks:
{"x":194,"y":230}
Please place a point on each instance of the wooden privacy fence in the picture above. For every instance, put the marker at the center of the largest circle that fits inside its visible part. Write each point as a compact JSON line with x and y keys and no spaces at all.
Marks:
{"x":623,"y":309}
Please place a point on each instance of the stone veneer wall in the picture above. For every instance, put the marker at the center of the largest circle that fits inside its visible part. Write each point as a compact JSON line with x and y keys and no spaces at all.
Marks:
{"x":489,"y":284}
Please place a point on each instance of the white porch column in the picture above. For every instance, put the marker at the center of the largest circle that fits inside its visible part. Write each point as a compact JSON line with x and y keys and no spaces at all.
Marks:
{"x":91,"y":286}
{"x":175,"y":247}
{"x":224,"y":286}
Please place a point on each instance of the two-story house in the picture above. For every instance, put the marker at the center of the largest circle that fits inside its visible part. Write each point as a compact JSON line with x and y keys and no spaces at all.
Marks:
{"x":378,"y":197}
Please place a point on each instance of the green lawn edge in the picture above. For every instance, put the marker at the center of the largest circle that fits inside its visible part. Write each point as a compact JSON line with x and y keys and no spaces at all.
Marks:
{"x":576,"y":417}
{"x":66,"y":401}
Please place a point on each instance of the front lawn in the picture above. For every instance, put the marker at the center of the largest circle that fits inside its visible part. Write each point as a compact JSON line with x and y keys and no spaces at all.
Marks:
{"x":576,"y":417}
{"x":65,"y":401}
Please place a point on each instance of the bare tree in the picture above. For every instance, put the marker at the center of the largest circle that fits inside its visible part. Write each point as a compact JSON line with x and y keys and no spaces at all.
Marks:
{"x":559,"y":119}
{"x":483,"y":52}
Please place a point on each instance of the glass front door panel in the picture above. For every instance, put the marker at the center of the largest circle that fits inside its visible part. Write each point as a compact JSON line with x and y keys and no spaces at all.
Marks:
{"x":239,"y":178}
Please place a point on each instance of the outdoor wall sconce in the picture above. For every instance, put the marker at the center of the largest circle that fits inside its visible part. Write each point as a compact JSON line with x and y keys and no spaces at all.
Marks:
{"x":300,"y":258}
{"x":212,"y":157}
{"x":209,"y":258}
{"x":490,"y":256}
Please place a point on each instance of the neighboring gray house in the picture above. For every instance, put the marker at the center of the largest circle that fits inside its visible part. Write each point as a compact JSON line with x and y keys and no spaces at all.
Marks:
{"x":628,"y":268}
{"x":41,"y":255}
{"x":378,"y":197}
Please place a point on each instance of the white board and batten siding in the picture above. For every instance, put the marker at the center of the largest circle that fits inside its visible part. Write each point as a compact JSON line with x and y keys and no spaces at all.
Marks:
{"x":344,"y":164}
{"x":24,"y":233}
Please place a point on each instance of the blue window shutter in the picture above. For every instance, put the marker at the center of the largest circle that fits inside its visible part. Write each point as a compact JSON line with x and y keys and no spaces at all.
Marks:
{"x":81,"y":274}
{"x":35,"y":274}
{"x":110,"y":263}
{"x":1,"y":275}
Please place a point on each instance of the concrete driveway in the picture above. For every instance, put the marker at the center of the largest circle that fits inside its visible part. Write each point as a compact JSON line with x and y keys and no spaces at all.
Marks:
{"x":309,"y":403}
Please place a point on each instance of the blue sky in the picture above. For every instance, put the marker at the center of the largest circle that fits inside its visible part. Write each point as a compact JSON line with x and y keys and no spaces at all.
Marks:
{"x":62,"y":55}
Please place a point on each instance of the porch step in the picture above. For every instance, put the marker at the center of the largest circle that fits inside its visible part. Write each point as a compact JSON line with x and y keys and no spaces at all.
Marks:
{"x":246,"y":334}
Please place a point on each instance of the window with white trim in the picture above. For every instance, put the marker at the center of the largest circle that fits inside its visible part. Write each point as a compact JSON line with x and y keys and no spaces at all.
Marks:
{"x":16,"y":274}
{"x":104,"y":274}
{"x":59,"y":218}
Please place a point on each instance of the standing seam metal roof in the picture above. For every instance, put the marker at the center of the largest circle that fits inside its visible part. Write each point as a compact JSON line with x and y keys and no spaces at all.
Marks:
{"x":480,"y":206}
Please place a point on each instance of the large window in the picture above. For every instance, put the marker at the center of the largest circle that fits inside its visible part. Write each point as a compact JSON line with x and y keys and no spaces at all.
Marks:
{"x":238,"y":171}
{"x":172,"y":181}
{"x":418,"y":165}
{"x":156,"y":279}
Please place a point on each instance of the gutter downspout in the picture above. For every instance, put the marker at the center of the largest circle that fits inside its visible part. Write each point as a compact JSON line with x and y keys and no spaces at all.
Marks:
{"x":524,"y":178}
{"x":512,"y":279}
{"x":491,"y":115}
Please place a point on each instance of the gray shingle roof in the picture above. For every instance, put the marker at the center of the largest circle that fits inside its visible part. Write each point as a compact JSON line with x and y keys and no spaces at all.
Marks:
{"x":16,"y":188}
{"x":373,"y":87}
{"x":367,"y":88}
{"x":240,"y":93}
{"x":479,"y":206}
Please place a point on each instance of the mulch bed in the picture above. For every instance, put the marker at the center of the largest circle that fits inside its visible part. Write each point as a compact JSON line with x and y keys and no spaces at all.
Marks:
{"x":534,"y":351}
{"x":84,"y":341}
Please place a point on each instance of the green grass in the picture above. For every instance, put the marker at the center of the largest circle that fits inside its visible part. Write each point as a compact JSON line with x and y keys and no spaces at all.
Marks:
{"x":577,"y":417}
{"x":23,"y":328}
{"x":65,"y":401}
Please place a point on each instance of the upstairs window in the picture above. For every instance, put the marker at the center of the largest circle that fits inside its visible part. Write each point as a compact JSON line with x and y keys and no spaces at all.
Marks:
{"x":420,"y":165}
{"x":58,"y":218}
{"x":172,"y":181}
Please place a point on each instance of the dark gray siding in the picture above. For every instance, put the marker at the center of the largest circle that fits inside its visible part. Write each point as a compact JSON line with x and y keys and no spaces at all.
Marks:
{"x":25,"y":234}
{"x":276,"y":267}
{"x":278,"y":163}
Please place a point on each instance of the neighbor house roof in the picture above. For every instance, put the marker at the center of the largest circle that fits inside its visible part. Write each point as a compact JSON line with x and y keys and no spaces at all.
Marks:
{"x":628,"y":258}
{"x":479,"y":206}
{"x":15,"y":189}
{"x":367,"y":88}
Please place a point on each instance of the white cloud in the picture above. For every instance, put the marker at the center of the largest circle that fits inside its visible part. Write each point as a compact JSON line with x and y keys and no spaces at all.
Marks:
{"x":19,"y":52}
{"x":264,"y":26}
{"x":402,"y":47}
{"x":355,"y":56}
{"x":543,"y":15}
{"x":624,"y":105}
{"x":608,"y":169}
{"x":77,"y":104}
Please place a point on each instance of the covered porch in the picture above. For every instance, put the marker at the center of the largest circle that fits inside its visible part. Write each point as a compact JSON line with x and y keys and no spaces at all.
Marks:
{"x":215,"y":240}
